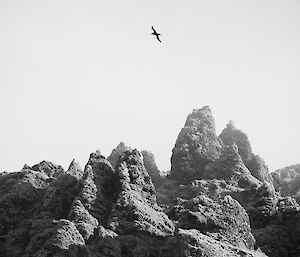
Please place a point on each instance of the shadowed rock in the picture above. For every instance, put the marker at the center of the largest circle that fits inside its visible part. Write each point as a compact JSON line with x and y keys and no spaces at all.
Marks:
{"x":98,"y":187}
{"x":136,"y":209}
{"x":231,"y":168}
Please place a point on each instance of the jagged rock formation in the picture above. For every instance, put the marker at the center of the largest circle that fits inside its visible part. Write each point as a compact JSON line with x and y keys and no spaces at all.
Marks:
{"x":218,"y":200}
{"x":136,"y":208}
{"x":287,"y":181}
{"x":197,"y":145}
{"x":230,"y":168}
{"x":113,"y":158}
{"x":231,"y":135}
{"x":244,"y":176}
{"x":151,"y":167}
{"x":82,"y":213}
{"x":49,"y":168}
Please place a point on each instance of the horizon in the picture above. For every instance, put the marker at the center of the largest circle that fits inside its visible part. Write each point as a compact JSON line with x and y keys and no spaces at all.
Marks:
{"x":80,"y":76}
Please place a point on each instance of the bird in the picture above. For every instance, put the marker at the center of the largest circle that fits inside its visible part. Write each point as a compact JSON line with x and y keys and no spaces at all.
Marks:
{"x":155,"y":34}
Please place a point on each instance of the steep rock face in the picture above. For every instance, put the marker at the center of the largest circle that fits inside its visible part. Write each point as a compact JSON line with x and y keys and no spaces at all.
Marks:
{"x":98,"y":187}
{"x":259,"y":169}
{"x":20,"y":194}
{"x":231,"y":135}
{"x":75,"y":169}
{"x":196,"y":146}
{"x":59,"y":196}
{"x":262,"y":206}
{"x":231,"y":168}
{"x":151,"y":167}
{"x":136,"y":208}
{"x":54,"y":205}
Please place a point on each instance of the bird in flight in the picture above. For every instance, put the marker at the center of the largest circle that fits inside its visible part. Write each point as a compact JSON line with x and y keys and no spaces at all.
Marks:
{"x":155,"y":34}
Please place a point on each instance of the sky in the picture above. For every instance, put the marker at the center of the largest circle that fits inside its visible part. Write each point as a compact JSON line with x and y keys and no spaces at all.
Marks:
{"x":77,"y":76}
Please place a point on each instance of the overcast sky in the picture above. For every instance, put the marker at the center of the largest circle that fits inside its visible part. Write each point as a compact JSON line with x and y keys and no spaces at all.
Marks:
{"x":76,"y":76}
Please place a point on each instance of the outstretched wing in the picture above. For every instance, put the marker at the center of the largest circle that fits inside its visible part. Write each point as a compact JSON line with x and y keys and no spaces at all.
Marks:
{"x":153,"y":30}
{"x":158,"y":38}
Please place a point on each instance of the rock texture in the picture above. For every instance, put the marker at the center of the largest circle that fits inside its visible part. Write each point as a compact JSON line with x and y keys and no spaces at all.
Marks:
{"x":231,"y":135}
{"x":136,"y":208}
{"x":218,"y":200}
{"x":113,"y":158}
{"x":287,"y":181}
{"x":197,"y":145}
{"x":191,"y":242}
{"x":151,"y":167}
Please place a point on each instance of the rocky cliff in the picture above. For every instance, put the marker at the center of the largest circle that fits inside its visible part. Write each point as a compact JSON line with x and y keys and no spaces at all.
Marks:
{"x":287,"y":181}
{"x":218,"y":200}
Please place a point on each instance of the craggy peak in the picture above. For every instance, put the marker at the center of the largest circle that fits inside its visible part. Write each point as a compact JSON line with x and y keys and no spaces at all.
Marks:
{"x":218,"y":199}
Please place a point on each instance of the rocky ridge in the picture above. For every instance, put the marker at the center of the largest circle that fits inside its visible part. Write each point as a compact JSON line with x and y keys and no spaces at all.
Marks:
{"x":218,"y":200}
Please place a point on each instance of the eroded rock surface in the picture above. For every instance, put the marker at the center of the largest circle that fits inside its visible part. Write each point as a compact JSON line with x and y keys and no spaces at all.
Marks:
{"x":218,"y":200}
{"x":287,"y":181}
{"x":197,"y":145}
{"x":136,"y":208}
{"x":151,"y":167}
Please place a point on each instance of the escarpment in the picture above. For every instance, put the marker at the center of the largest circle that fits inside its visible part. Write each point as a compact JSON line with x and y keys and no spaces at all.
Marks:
{"x":218,"y":200}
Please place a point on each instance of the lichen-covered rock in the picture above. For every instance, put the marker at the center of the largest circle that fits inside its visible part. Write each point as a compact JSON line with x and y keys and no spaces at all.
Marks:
{"x":136,"y":209}
{"x":192,"y":243}
{"x":197,"y":145}
{"x":151,"y":167}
